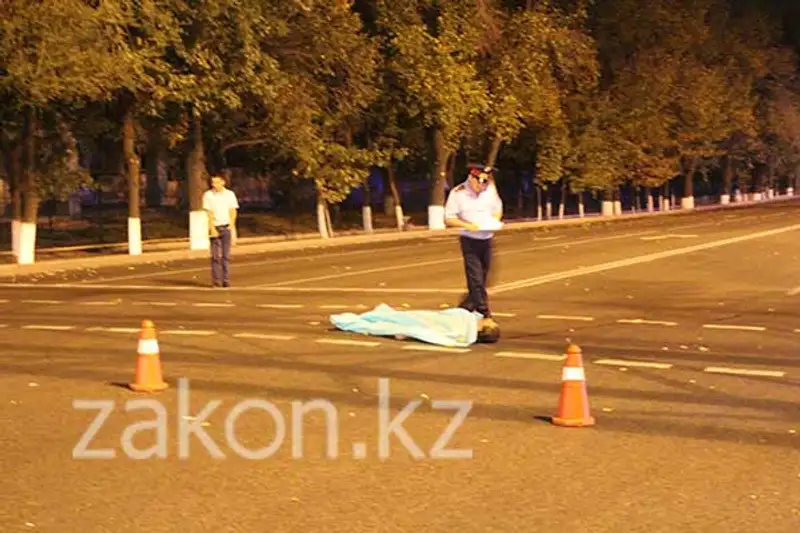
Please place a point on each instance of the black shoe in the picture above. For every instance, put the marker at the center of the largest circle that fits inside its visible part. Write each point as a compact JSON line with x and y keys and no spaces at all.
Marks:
{"x":226,"y":284}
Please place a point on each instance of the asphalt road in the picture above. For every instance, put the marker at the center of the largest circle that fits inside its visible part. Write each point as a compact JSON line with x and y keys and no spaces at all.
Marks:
{"x":688,"y":326}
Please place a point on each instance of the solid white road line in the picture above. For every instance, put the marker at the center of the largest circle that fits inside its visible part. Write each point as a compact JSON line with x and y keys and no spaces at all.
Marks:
{"x":566,"y":317}
{"x":531,"y":355}
{"x":640,"y":321}
{"x":641,"y":364}
{"x":264,"y":336}
{"x":50,"y":328}
{"x":188,"y":332}
{"x":347,"y":342}
{"x":432,"y":348}
{"x":448,"y":260}
{"x":744,"y":372}
{"x":669,"y":236}
{"x":320,"y":255}
{"x":734,"y":327}
{"x":637,"y":260}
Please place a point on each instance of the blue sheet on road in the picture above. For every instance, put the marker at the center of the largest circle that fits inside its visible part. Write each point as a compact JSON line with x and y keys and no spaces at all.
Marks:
{"x":453,"y":327}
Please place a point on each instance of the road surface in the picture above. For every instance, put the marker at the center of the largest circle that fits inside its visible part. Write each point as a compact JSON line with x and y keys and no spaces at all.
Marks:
{"x":688,"y":326}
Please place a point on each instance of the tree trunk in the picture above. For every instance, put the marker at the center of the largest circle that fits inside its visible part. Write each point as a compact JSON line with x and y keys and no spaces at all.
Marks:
{"x":438,"y":180}
{"x":608,"y":203}
{"x":132,"y":166}
{"x":581,"y":204}
{"x":366,"y":209}
{"x":156,"y":169}
{"x":30,"y":212}
{"x":494,"y":151}
{"x":690,"y":166}
{"x":198,"y":219}
{"x":727,"y":180}
{"x":563,"y":200}
{"x":13,"y":162}
{"x":396,"y":200}
{"x":539,"y":198}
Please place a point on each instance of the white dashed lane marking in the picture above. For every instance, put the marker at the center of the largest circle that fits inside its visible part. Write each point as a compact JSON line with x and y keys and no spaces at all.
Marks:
{"x":734,"y":327}
{"x":199,"y":332}
{"x":264,"y":336}
{"x":566,"y":317}
{"x":42,"y":302}
{"x":346,"y":342}
{"x":209,"y":304}
{"x":433,"y":348}
{"x":415,"y":347}
{"x":99,"y":303}
{"x":280,"y":306}
{"x":529,"y":355}
{"x":641,"y":321}
{"x":633,"y":364}
{"x":114,"y":330}
{"x":745,"y":372}
{"x":157,"y":304}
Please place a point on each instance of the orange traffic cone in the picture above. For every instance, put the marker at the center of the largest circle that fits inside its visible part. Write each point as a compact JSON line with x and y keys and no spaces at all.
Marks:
{"x":573,"y":406}
{"x":148,"y":365}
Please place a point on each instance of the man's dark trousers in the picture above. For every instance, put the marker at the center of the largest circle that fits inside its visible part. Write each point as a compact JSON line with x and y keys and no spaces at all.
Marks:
{"x":220,"y":256}
{"x":477,"y":261}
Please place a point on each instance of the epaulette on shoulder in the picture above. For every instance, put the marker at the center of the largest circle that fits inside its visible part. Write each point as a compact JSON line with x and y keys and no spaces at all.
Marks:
{"x":459,"y":188}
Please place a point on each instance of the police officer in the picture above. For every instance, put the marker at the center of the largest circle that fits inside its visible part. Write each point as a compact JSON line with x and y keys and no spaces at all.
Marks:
{"x":471,"y":206}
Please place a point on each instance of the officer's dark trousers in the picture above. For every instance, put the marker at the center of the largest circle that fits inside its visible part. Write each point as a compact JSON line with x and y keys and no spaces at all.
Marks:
{"x":477,"y":260}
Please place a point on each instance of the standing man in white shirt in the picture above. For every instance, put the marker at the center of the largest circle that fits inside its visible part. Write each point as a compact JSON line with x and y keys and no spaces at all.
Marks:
{"x":473,"y":205}
{"x":221,"y":205}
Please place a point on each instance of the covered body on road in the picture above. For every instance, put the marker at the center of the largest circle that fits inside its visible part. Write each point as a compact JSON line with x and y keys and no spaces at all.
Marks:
{"x":453,"y":327}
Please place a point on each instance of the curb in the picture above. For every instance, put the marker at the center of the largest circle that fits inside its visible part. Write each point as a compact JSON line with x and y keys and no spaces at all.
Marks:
{"x":313,"y":241}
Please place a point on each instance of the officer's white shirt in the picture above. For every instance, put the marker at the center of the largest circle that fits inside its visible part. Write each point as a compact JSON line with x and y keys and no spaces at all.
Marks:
{"x":220,"y":204}
{"x":476,"y":208}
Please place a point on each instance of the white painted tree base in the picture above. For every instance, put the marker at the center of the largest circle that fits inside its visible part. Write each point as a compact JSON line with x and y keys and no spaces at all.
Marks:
{"x":198,"y":231}
{"x":725,"y":199}
{"x":790,"y":191}
{"x":27,"y":243}
{"x":399,"y":218}
{"x":617,"y":207}
{"x":607,"y":208}
{"x":651,"y":203}
{"x":322,"y":221}
{"x":665,"y":205}
{"x":366,"y":214}
{"x":15,"y":229}
{"x":757,"y":197}
{"x":436,"y":217}
{"x":581,"y":209}
{"x":134,"y":236}
{"x":687,"y":202}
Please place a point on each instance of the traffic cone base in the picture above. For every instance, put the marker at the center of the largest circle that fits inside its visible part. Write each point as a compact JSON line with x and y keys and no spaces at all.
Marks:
{"x":573,"y":405}
{"x":148,"y":376}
